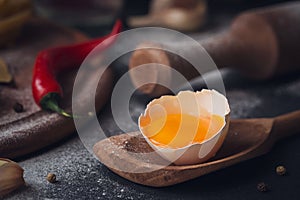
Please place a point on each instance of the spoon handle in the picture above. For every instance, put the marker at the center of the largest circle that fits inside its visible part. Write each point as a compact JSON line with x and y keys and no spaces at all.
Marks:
{"x":286,"y":125}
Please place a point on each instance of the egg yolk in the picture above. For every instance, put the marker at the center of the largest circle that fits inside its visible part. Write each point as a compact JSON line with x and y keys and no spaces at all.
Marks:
{"x":179,"y":130}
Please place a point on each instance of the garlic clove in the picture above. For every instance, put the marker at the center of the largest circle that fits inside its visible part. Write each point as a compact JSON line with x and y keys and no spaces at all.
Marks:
{"x":11,"y":176}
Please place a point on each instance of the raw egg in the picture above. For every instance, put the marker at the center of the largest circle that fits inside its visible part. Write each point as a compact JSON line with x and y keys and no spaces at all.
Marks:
{"x":188,"y":128}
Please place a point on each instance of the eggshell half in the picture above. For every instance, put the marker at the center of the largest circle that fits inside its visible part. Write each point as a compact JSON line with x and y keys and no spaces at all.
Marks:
{"x":203,"y":103}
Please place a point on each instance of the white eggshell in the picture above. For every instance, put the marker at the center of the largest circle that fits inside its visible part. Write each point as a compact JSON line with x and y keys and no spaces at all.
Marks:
{"x":204,"y":103}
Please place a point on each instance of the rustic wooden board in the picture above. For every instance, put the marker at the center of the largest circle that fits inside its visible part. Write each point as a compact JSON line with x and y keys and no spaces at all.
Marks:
{"x":33,"y":129}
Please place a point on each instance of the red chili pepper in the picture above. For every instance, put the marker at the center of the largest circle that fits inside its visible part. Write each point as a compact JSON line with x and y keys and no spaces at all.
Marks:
{"x":45,"y":89}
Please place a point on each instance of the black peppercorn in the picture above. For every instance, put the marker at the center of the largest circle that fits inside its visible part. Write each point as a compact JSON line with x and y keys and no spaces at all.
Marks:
{"x":18,"y":108}
{"x":280,"y":170}
{"x":51,"y":178}
{"x":262,"y":187}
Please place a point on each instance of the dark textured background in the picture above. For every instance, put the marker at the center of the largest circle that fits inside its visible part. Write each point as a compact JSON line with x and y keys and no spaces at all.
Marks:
{"x":80,"y":176}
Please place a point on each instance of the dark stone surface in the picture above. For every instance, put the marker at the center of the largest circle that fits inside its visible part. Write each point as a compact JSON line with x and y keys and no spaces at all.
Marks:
{"x":80,"y":176}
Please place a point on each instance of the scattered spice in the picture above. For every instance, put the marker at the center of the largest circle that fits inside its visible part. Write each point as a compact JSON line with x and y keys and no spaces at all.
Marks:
{"x":280,"y":170}
{"x":51,"y":178}
{"x":262,"y":187}
{"x":18,"y":108}
{"x":137,"y":144}
{"x":126,"y":144}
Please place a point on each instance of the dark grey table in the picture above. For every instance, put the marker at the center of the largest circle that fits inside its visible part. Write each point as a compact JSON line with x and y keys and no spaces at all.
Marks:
{"x":80,"y":176}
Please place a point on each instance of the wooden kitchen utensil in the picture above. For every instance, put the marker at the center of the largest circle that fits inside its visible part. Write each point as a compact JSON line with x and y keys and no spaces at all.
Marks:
{"x":246,"y":139}
{"x":260,"y":43}
{"x":28,"y":131}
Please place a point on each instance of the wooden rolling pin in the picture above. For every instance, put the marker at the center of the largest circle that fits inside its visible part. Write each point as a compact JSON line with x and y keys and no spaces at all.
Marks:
{"x":260,"y":43}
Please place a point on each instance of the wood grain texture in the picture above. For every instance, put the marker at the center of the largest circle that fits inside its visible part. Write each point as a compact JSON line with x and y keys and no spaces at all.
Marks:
{"x":261,"y":43}
{"x":246,"y":139}
{"x":33,"y":129}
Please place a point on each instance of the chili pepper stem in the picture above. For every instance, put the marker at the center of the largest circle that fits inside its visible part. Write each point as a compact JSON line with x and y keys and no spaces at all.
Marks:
{"x":49,"y":102}
{"x":52,"y":105}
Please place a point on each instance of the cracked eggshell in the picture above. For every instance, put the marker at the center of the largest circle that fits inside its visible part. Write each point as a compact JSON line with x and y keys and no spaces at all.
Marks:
{"x":204,"y":103}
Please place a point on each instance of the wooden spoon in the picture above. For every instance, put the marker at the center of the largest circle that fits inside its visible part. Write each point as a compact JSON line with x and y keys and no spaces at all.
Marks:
{"x":246,"y":139}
